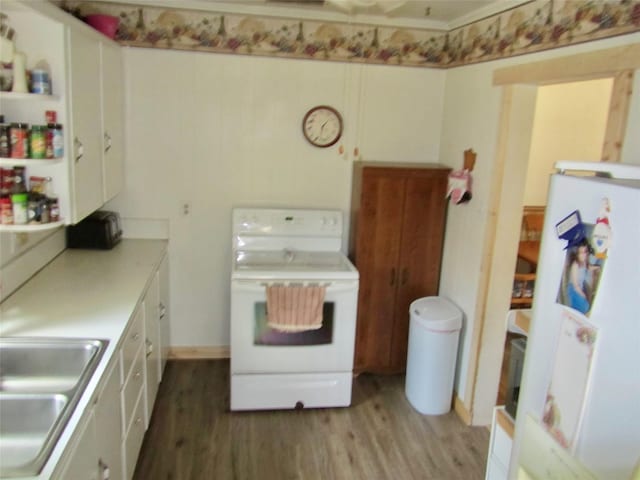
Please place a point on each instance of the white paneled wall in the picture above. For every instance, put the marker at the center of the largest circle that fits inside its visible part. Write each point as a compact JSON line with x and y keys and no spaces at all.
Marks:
{"x":208,"y":132}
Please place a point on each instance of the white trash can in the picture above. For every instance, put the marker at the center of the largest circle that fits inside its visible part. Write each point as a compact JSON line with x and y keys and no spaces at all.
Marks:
{"x":434,"y":331}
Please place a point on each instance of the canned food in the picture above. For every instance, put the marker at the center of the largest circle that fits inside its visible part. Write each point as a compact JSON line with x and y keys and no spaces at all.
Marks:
{"x":6,"y":211}
{"x":6,"y":181}
{"x":19,"y":139}
{"x":5,"y":146}
{"x":38,"y":141}
{"x":40,"y":82}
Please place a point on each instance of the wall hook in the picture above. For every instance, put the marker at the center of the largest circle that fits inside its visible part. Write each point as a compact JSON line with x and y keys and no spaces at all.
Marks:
{"x":469,"y":159}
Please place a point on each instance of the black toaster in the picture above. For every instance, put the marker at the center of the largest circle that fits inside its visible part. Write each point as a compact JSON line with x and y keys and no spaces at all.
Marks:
{"x":100,"y":230}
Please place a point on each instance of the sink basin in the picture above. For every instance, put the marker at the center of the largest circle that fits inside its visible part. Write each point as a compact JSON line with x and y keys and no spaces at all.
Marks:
{"x":41,"y":381}
{"x":25,"y":423}
{"x":44,"y":365}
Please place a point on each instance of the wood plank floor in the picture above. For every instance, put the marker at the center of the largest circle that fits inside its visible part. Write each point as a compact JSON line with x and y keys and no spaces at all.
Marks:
{"x":193,"y":435}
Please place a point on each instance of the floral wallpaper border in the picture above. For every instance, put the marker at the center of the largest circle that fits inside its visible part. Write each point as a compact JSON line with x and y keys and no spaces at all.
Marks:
{"x":532,"y":27}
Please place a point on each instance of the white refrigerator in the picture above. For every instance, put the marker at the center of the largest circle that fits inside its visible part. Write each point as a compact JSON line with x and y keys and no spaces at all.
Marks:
{"x":578,"y":412}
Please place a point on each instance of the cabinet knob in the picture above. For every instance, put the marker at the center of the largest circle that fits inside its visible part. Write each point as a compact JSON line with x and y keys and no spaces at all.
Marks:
{"x":392,"y":279}
{"x":105,"y":474}
{"x":79,"y":148}
{"x":149,"y":345}
{"x":107,"y":142}
{"x":405,"y":276}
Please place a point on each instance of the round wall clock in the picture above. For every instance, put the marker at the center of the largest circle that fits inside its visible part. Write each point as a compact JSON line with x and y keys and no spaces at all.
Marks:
{"x":322,"y":126}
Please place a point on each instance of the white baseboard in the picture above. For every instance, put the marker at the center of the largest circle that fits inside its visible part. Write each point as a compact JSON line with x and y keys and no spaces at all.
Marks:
{"x":199,"y":353}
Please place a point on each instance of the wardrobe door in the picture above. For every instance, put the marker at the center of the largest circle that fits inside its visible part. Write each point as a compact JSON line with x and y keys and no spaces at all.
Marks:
{"x":378,"y":249}
{"x":420,"y":252}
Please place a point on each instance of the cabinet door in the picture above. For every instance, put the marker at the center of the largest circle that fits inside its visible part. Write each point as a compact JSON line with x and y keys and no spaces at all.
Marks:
{"x":112,"y":120}
{"x":108,"y":425}
{"x":163,"y":274}
{"x":420,"y":254}
{"x":377,"y":250}
{"x":152,"y":344}
{"x":82,"y":462}
{"x":86,"y":134}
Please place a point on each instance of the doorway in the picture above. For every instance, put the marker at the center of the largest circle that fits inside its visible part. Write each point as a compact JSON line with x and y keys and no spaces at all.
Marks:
{"x":520,"y":86}
{"x":569,"y":123}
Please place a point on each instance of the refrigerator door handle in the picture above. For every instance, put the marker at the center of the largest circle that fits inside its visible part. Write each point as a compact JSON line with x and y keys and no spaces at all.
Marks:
{"x":606,"y":169}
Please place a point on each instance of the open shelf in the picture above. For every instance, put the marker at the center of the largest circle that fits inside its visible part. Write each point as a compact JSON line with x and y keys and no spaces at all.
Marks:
{"x":31,"y":227}
{"x":25,"y":162}
{"x":27,"y":96}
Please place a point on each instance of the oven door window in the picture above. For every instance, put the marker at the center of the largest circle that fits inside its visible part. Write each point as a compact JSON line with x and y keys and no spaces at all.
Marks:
{"x":265,"y":335}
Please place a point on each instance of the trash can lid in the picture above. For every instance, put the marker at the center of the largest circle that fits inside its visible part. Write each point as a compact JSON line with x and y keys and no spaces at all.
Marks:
{"x":436,"y":314}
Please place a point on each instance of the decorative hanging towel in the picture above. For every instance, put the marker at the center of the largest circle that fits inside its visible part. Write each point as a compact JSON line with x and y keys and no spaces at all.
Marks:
{"x":459,"y":189}
{"x":295,"y":308}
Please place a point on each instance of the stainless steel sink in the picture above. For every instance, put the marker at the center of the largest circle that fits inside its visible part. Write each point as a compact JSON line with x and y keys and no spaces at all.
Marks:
{"x":41,"y":381}
{"x":55,"y":365}
{"x":26,"y":422}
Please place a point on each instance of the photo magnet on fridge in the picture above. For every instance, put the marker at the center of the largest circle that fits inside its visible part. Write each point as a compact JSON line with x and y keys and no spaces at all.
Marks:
{"x":581,"y":273}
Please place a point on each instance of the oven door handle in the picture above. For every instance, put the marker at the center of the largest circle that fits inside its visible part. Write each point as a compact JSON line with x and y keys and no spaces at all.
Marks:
{"x":260,"y":286}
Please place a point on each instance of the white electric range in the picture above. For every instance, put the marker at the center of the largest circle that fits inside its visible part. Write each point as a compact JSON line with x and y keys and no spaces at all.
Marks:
{"x":274,"y":369}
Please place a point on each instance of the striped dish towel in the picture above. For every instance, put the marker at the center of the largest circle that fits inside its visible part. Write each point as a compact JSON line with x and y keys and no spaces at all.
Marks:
{"x":295,"y":308}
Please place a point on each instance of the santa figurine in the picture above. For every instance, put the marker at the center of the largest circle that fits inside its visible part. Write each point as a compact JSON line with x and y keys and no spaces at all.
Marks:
{"x":601,"y":236}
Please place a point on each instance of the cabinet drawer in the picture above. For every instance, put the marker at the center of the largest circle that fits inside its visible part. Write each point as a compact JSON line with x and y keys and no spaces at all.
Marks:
{"x":501,"y":448}
{"x":135,"y":435}
{"x":132,"y":387}
{"x":133,"y":339}
{"x":495,"y":470}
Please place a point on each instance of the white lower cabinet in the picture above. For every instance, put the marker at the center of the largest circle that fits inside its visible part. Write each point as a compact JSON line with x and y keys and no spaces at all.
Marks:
{"x":95,"y":450}
{"x":152,"y":344}
{"x":107,"y":442}
{"x":133,"y":391}
{"x":108,"y":430}
{"x":82,"y":462}
{"x":134,"y":437}
{"x":163,"y":280}
{"x":499,"y":445}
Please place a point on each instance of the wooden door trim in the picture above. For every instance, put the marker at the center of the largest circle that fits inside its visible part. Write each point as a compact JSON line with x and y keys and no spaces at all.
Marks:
{"x":582,"y":66}
{"x":613,"y":62}
{"x":618,"y":115}
{"x":489,"y":241}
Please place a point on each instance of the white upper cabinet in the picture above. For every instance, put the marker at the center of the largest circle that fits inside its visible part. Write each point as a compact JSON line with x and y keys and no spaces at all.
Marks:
{"x":112,"y":119}
{"x":86,"y":72}
{"x":85,"y":129}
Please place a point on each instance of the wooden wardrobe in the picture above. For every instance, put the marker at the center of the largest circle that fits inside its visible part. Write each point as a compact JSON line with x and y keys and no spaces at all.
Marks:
{"x":398,"y":213}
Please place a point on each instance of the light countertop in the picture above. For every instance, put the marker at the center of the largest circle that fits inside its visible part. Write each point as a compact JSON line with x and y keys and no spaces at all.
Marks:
{"x":83,"y":294}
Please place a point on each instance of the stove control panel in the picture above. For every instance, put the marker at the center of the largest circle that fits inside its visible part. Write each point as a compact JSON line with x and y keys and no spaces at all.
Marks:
{"x":282,"y":222}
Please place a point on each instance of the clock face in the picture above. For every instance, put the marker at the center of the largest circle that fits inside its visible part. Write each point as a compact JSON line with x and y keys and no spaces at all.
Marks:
{"x":322,"y":126}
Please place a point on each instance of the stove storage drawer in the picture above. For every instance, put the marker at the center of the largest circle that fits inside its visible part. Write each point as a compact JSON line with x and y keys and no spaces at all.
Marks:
{"x":287,"y":391}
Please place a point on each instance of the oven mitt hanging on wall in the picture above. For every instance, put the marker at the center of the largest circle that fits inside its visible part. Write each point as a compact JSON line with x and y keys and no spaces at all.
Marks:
{"x":459,"y":189}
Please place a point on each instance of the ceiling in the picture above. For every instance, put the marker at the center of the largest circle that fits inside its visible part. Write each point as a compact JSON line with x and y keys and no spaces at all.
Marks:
{"x":443,"y":10}
{"x":439,"y":14}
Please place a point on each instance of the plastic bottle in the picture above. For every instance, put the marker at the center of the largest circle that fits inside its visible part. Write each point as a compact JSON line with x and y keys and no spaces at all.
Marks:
{"x":19,"y":201}
{"x":57,"y":139}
